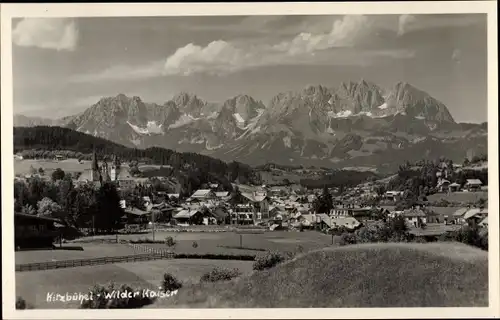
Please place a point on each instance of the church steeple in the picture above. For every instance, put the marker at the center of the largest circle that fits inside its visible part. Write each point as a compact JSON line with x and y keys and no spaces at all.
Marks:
{"x":95,"y":165}
{"x":95,"y":171}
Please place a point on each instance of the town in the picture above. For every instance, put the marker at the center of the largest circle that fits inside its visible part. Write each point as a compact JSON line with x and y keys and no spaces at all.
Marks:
{"x":291,"y":207}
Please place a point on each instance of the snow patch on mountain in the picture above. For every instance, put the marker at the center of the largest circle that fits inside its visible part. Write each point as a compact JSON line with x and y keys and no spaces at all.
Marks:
{"x":136,"y":142}
{"x":182,"y":121}
{"x":366,"y":113}
{"x":238,"y":118}
{"x":341,"y":114}
{"x":151,"y":127}
{"x":210,"y":148}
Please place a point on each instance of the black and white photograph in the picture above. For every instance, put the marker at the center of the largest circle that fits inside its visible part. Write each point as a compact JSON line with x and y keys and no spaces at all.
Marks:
{"x":232,"y":159}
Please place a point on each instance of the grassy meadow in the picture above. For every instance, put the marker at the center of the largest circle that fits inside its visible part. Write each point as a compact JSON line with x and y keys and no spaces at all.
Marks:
{"x":356,"y":276}
{"x":459,"y":196}
{"x":33,"y":286}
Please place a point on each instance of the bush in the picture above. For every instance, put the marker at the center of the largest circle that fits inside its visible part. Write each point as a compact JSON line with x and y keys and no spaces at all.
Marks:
{"x":348,"y":238}
{"x":268,"y":260}
{"x":195,"y":244}
{"x":102,"y":300}
{"x":220,"y":274}
{"x":170,"y":283}
{"x":170,"y":242}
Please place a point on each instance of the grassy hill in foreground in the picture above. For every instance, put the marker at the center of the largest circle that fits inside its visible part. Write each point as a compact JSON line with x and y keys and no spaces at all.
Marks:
{"x":359,"y":276}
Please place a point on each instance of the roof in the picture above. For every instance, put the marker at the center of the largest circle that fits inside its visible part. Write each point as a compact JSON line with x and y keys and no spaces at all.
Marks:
{"x":201,"y":193}
{"x":175,"y":195}
{"x":254,"y":198}
{"x":454,"y":184}
{"x":123,"y":174}
{"x":460,"y":212}
{"x":414,"y":213}
{"x":349,"y":222}
{"x":472,"y":213}
{"x":474,"y":181}
{"x":161,"y":206}
{"x":35,"y":217}
{"x":186,"y":214}
{"x":309,"y":217}
{"x":444,"y":181}
{"x":388,"y":208}
{"x":484,"y":222}
{"x":136,"y":211}
{"x":222,"y":194}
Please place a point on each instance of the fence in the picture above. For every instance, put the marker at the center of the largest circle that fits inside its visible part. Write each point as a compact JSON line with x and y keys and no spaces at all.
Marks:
{"x":156,"y":255}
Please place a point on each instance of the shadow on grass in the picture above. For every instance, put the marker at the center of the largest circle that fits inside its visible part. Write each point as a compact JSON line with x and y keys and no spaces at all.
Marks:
{"x":242,"y":248}
{"x":69,"y":248}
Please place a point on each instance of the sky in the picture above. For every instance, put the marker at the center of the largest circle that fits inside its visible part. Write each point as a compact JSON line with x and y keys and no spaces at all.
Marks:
{"x":61,"y":66}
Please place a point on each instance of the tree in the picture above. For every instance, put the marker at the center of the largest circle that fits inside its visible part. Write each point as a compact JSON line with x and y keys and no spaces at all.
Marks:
{"x":380,"y":190}
{"x":49,"y":208}
{"x":67,"y":196}
{"x":28,"y":209}
{"x":109,"y":211}
{"x":84,"y":206}
{"x":58,"y":174}
{"x":41,"y":171}
{"x":324,"y":203}
{"x":33,"y":170}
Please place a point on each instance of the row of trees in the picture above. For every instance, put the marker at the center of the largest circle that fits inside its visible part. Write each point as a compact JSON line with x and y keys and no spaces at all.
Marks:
{"x":83,"y":207}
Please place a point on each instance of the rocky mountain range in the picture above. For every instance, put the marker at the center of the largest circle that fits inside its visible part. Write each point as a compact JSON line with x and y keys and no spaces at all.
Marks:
{"x":356,"y":124}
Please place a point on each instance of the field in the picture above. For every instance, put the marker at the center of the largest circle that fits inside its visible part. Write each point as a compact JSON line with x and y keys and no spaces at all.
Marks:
{"x":459,"y":196}
{"x":269,"y":178}
{"x":89,"y":251}
{"x":357,"y":276}
{"x":22,"y":167}
{"x":226,"y":242}
{"x":217,"y":242}
{"x":33,"y":286}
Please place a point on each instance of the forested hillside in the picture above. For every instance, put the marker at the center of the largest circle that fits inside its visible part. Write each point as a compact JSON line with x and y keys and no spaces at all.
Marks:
{"x":46,"y":142}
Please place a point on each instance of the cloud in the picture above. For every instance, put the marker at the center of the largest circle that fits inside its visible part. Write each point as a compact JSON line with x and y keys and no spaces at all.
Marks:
{"x":343,"y":44}
{"x":222,"y":57}
{"x":407,"y":23}
{"x":46,"y":33}
{"x":405,"y":20}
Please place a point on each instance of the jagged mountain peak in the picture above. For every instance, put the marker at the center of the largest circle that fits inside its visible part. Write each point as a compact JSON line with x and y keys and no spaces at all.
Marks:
{"x":405,"y":98}
{"x":315,"y":90}
{"x":185,"y":98}
{"x":242,"y":107}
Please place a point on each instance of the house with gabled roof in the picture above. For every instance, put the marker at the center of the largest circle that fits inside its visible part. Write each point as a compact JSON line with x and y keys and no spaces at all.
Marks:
{"x":203,"y":194}
{"x":458,"y":216}
{"x":415,"y":217}
{"x":473,"y":185}
{"x":189,"y":217}
{"x":454,"y":187}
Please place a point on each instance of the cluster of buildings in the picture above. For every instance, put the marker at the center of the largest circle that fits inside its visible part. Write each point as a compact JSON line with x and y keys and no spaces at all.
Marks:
{"x":276,"y":207}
